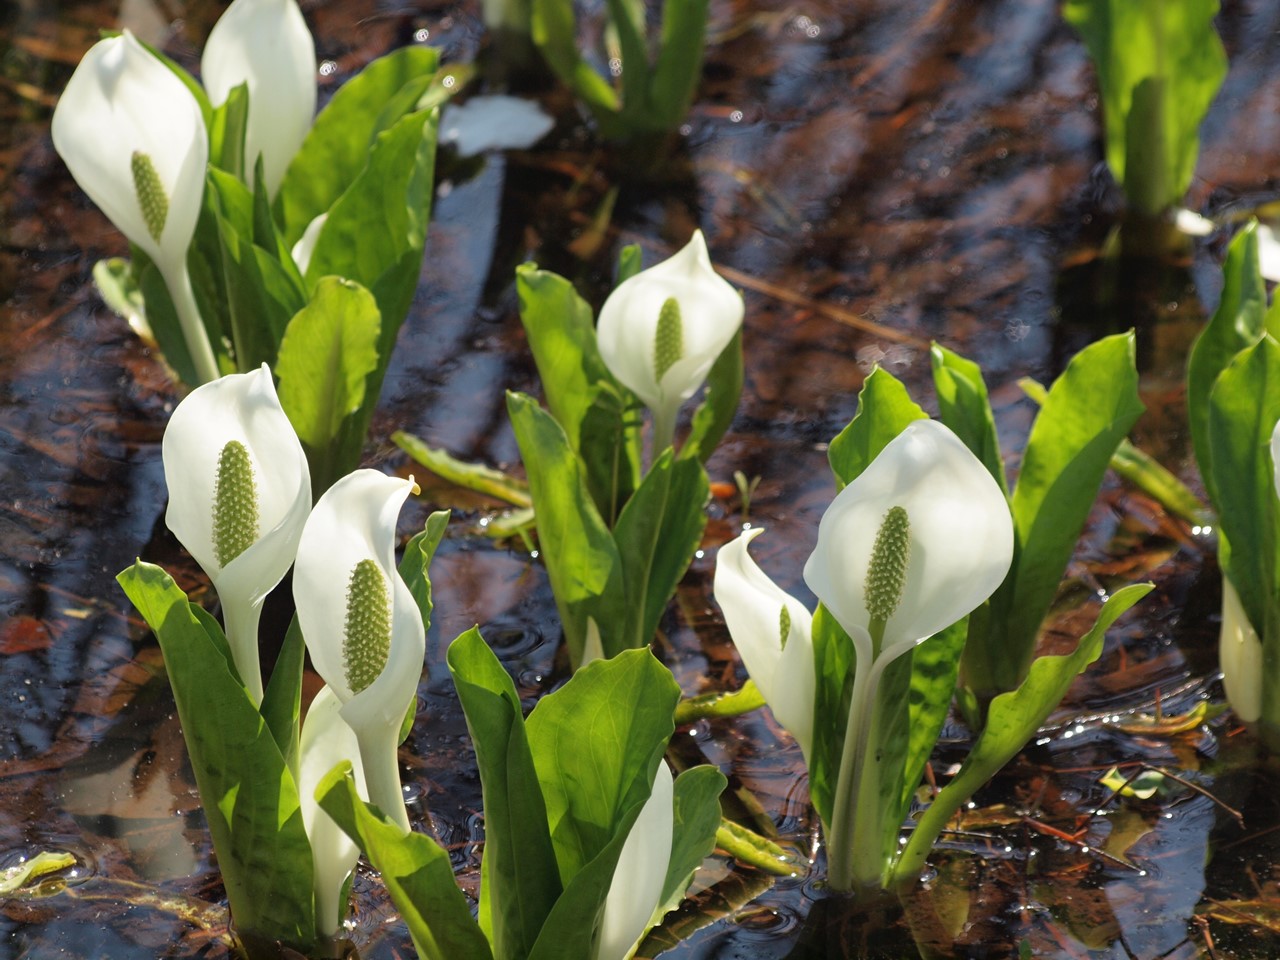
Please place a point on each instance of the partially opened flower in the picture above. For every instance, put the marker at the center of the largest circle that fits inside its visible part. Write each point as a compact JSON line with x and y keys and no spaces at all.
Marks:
{"x":773,"y":633}
{"x":635,"y":893}
{"x":361,"y":624}
{"x":132,"y":135}
{"x":327,"y":740}
{"x":661,"y":330}
{"x":239,"y":493}
{"x":266,"y":45}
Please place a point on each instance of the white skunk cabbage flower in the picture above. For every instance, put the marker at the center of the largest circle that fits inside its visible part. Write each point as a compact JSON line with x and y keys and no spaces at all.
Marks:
{"x":930,"y":509}
{"x":661,"y":330}
{"x":360,"y":622}
{"x":133,"y":137}
{"x":326,"y":741}
{"x":773,"y":632}
{"x":239,"y":494}
{"x":635,"y":893}
{"x":266,"y":44}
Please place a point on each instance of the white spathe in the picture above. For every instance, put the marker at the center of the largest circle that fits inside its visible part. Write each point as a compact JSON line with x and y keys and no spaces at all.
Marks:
{"x":782,"y":667}
{"x":636,"y":890}
{"x":1240,"y":655}
{"x":711,"y":314}
{"x":266,"y":44}
{"x":961,"y":536}
{"x":241,"y":408}
{"x":354,"y":522}
{"x":326,"y":741}
{"x":124,"y":111}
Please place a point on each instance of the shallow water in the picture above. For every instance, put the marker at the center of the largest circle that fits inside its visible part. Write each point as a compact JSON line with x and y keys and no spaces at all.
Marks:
{"x":874,"y":175}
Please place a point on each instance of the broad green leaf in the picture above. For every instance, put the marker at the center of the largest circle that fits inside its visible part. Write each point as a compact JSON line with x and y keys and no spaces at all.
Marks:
{"x":596,"y":744}
{"x":834,"y":661}
{"x":328,"y":350}
{"x":964,"y":407}
{"x":675,"y":76}
{"x":562,"y":336}
{"x":1244,"y":407}
{"x":884,"y":410}
{"x":657,"y":533}
{"x":336,"y":149}
{"x":521,"y":881}
{"x":14,"y":878}
{"x":581,"y":557}
{"x":248,"y":794}
{"x":713,"y":417}
{"x":416,"y":870}
{"x":1239,"y":322}
{"x":697,"y":819}
{"x":1089,"y":410}
{"x":1012,"y":720}
{"x":282,"y":700}
{"x":383,"y":214}
{"x":226,"y":132}
{"x":1159,"y":66}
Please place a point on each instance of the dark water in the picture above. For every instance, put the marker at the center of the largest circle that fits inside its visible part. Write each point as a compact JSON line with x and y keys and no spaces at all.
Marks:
{"x":874,"y":175}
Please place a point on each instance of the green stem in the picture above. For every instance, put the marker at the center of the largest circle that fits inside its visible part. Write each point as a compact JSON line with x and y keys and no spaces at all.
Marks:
{"x":840,"y":853}
{"x":178,"y":280}
{"x":241,"y":624}
{"x":664,"y":428}
{"x":379,"y":753}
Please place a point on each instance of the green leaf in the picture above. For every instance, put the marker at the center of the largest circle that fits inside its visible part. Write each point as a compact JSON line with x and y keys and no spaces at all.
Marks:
{"x":581,"y":557}
{"x":282,"y":701}
{"x":713,"y":417}
{"x":469,"y":476}
{"x":521,"y":881}
{"x":227,"y":129}
{"x":1012,"y":719}
{"x":657,"y":533}
{"x":630,"y":262}
{"x":884,"y":410}
{"x":554,"y":30}
{"x":626,"y":17}
{"x":697,"y":820}
{"x":416,"y":870}
{"x":834,"y":660}
{"x":336,"y":149}
{"x":1159,"y":66}
{"x":1088,"y":412}
{"x":118,"y":287}
{"x":675,"y":76}
{"x":963,"y":406}
{"x":1238,"y":323}
{"x":417,"y":559}
{"x":609,"y":446}
{"x":596,"y":744}
{"x":934,"y":667}
{"x":249,"y":796}
{"x":1244,"y":407}
{"x":562,"y":336}
{"x":261,"y":293}
{"x":383,"y":214}
{"x":328,"y":350}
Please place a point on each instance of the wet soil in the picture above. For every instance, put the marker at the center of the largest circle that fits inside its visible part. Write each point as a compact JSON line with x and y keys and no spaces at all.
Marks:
{"x":873,"y":175}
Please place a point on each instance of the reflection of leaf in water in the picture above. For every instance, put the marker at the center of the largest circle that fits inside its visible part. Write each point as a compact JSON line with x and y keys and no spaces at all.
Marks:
{"x":1081,"y":907}
{"x":721,"y":900}
{"x":1128,"y":826}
